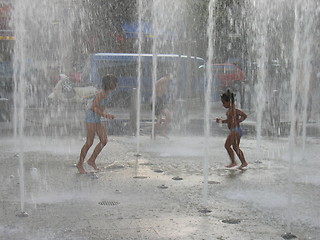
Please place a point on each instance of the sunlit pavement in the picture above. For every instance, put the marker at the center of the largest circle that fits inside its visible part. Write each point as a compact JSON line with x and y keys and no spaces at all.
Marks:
{"x":162,"y":194}
{"x":136,"y":197}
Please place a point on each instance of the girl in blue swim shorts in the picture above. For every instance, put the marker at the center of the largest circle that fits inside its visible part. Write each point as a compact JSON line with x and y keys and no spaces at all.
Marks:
{"x":234,"y":118}
{"x":93,"y":123}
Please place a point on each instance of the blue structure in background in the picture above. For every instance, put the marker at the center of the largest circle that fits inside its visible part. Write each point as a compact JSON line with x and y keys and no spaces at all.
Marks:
{"x":186,"y":71}
{"x":130,"y":30}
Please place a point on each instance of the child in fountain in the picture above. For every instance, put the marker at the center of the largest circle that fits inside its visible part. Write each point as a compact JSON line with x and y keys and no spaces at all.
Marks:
{"x":94,"y":125}
{"x":234,"y":118}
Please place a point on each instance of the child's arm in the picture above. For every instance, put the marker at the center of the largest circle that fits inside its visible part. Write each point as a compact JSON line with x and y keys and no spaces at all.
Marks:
{"x":96,"y":107}
{"x":109,"y":116}
{"x":241,"y":115}
{"x":220,"y":120}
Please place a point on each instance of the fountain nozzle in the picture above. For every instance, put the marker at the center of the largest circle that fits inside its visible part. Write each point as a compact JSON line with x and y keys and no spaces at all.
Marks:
{"x":22,"y":214}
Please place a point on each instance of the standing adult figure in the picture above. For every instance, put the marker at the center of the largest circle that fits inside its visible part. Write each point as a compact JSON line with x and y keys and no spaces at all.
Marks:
{"x":162,"y":111}
{"x":94,"y":125}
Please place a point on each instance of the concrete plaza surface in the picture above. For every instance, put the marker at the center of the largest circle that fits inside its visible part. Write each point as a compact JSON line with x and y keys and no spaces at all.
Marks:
{"x":139,"y":197}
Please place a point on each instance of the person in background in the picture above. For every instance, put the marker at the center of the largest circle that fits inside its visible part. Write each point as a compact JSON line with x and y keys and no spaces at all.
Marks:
{"x":162,"y":111}
{"x":313,"y":98}
{"x":94,"y":125}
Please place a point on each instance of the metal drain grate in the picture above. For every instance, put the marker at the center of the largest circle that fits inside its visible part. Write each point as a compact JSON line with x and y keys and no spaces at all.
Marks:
{"x":231,"y":221}
{"x":146,"y":164}
{"x":205,"y":210}
{"x":177,"y":178}
{"x":109,"y":203}
{"x":140,"y":177}
{"x":213,"y":182}
{"x":288,"y":236}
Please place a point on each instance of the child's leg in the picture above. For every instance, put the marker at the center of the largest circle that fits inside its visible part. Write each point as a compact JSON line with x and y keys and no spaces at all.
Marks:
{"x":157,"y":126}
{"x":86,"y":146}
{"x":167,"y":120}
{"x":239,"y":153}
{"x":101,"y":131}
{"x":227,"y":145}
{"x":161,"y":126}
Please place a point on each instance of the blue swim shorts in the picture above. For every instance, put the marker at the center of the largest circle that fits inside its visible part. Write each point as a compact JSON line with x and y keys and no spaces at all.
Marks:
{"x":92,"y":117}
{"x":238,"y":130}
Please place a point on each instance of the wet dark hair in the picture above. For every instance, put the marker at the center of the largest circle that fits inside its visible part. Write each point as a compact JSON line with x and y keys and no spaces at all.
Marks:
{"x":107,"y":80}
{"x":228,"y":96}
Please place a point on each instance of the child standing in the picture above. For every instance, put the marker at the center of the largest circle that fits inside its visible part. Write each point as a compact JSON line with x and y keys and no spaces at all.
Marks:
{"x":161,"y":108}
{"x":234,"y":118}
{"x":94,"y":125}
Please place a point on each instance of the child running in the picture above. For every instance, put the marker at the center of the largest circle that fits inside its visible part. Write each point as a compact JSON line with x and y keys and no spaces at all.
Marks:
{"x":94,"y":125}
{"x":234,"y":118}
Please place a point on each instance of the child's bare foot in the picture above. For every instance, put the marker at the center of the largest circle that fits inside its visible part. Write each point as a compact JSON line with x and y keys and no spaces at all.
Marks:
{"x":243,"y":165}
{"x":93,"y":164}
{"x":81,"y":169}
{"x":231,"y":165}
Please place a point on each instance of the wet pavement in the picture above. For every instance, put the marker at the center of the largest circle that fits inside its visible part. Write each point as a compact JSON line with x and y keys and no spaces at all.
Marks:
{"x":160,"y":192}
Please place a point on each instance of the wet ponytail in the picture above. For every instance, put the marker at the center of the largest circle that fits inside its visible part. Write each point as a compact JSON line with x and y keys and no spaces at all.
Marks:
{"x":228,"y":96}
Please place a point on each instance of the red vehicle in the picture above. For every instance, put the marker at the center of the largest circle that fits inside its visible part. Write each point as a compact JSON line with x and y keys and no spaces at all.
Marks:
{"x":228,"y":75}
